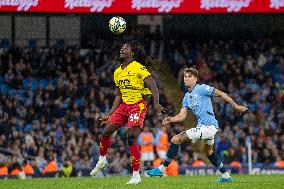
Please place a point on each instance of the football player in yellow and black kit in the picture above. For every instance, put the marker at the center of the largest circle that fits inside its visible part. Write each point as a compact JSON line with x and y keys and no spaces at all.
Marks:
{"x":133,"y":81}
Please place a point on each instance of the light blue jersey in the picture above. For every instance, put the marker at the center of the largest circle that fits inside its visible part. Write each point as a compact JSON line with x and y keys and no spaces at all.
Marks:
{"x":199,"y":101}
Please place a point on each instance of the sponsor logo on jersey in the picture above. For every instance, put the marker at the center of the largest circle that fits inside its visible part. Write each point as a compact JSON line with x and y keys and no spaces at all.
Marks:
{"x":124,"y":83}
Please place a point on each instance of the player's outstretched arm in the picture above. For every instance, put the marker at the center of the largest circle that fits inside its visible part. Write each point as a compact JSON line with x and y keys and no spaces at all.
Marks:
{"x":115,"y":104}
{"x":178,"y":118}
{"x":151,"y":84}
{"x":229,"y":100}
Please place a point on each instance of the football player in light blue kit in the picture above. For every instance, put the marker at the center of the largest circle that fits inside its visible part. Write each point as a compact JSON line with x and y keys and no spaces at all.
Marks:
{"x":197,"y":99}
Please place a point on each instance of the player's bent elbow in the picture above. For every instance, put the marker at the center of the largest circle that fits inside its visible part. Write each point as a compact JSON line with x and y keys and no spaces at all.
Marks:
{"x":176,"y":140}
{"x":182,"y":117}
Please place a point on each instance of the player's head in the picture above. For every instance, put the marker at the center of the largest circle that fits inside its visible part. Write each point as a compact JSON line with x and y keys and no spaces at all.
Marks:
{"x":68,"y":160}
{"x":146,"y":129}
{"x":125,"y":52}
{"x":190,"y":77}
{"x":132,"y":50}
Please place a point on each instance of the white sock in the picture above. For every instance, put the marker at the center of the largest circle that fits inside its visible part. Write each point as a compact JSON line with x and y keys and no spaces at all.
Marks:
{"x":136,"y":174}
{"x":225,"y":175}
{"x":102,"y":158}
{"x":162,"y":168}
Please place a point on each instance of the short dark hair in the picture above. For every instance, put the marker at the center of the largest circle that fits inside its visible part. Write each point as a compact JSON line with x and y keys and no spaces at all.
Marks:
{"x":137,"y":50}
{"x":192,"y":71}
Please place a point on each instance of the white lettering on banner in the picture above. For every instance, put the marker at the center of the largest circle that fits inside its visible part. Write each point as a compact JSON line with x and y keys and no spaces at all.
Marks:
{"x":231,"y":5}
{"x":23,"y":5}
{"x":161,"y":5}
{"x":276,"y":4}
{"x":95,"y":5}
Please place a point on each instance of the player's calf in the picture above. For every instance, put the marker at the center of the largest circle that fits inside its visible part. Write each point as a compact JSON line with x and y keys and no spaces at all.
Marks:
{"x":215,"y":160}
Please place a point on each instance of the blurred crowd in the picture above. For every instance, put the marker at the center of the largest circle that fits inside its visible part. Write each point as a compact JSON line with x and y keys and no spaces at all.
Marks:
{"x":50,"y":104}
{"x":51,"y":100}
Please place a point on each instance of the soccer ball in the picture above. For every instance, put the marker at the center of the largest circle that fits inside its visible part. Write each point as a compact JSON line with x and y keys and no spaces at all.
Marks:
{"x":117,"y":25}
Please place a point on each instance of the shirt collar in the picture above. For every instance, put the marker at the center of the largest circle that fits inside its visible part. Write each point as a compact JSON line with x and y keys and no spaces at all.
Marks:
{"x":192,"y":88}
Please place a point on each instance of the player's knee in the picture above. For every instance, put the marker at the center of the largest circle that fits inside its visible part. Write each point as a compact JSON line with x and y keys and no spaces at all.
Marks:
{"x":176,"y":140}
{"x":208,"y":151}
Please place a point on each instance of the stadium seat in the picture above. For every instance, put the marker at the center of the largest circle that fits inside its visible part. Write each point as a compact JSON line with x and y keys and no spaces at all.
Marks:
{"x":12,"y":92}
{"x":60,"y":43}
{"x":5,"y":43}
{"x":32,"y":44}
{"x":28,"y":127}
{"x":4,"y":88}
{"x":44,"y":83}
{"x":34,"y":85}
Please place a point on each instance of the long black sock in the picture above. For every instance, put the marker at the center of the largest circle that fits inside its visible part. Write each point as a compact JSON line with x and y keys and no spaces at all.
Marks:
{"x":215,"y":160}
{"x":172,"y":152}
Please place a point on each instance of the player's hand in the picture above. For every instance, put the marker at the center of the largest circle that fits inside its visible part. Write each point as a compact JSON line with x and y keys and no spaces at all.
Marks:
{"x":241,"y":109}
{"x":166,"y":121}
{"x":160,"y":109}
{"x":104,"y":120}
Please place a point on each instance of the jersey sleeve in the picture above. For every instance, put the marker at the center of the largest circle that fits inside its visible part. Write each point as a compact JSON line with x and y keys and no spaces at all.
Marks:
{"x":115,"y":79}
{"x":207,"y":90}
{"x":184,"y":102}
{"x":143,"y":72}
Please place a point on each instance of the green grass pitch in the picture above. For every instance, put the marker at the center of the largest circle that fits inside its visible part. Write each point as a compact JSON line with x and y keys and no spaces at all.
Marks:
{"x":188,"y":182}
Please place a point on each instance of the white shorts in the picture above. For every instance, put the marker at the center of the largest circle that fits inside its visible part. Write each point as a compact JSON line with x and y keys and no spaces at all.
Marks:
{"x":147,"y":156}
{"x":205,"y":133}
{"x":162,"y":154}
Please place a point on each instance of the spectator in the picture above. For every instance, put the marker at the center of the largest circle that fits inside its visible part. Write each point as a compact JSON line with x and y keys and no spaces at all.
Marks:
{"x":67,"y":169}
